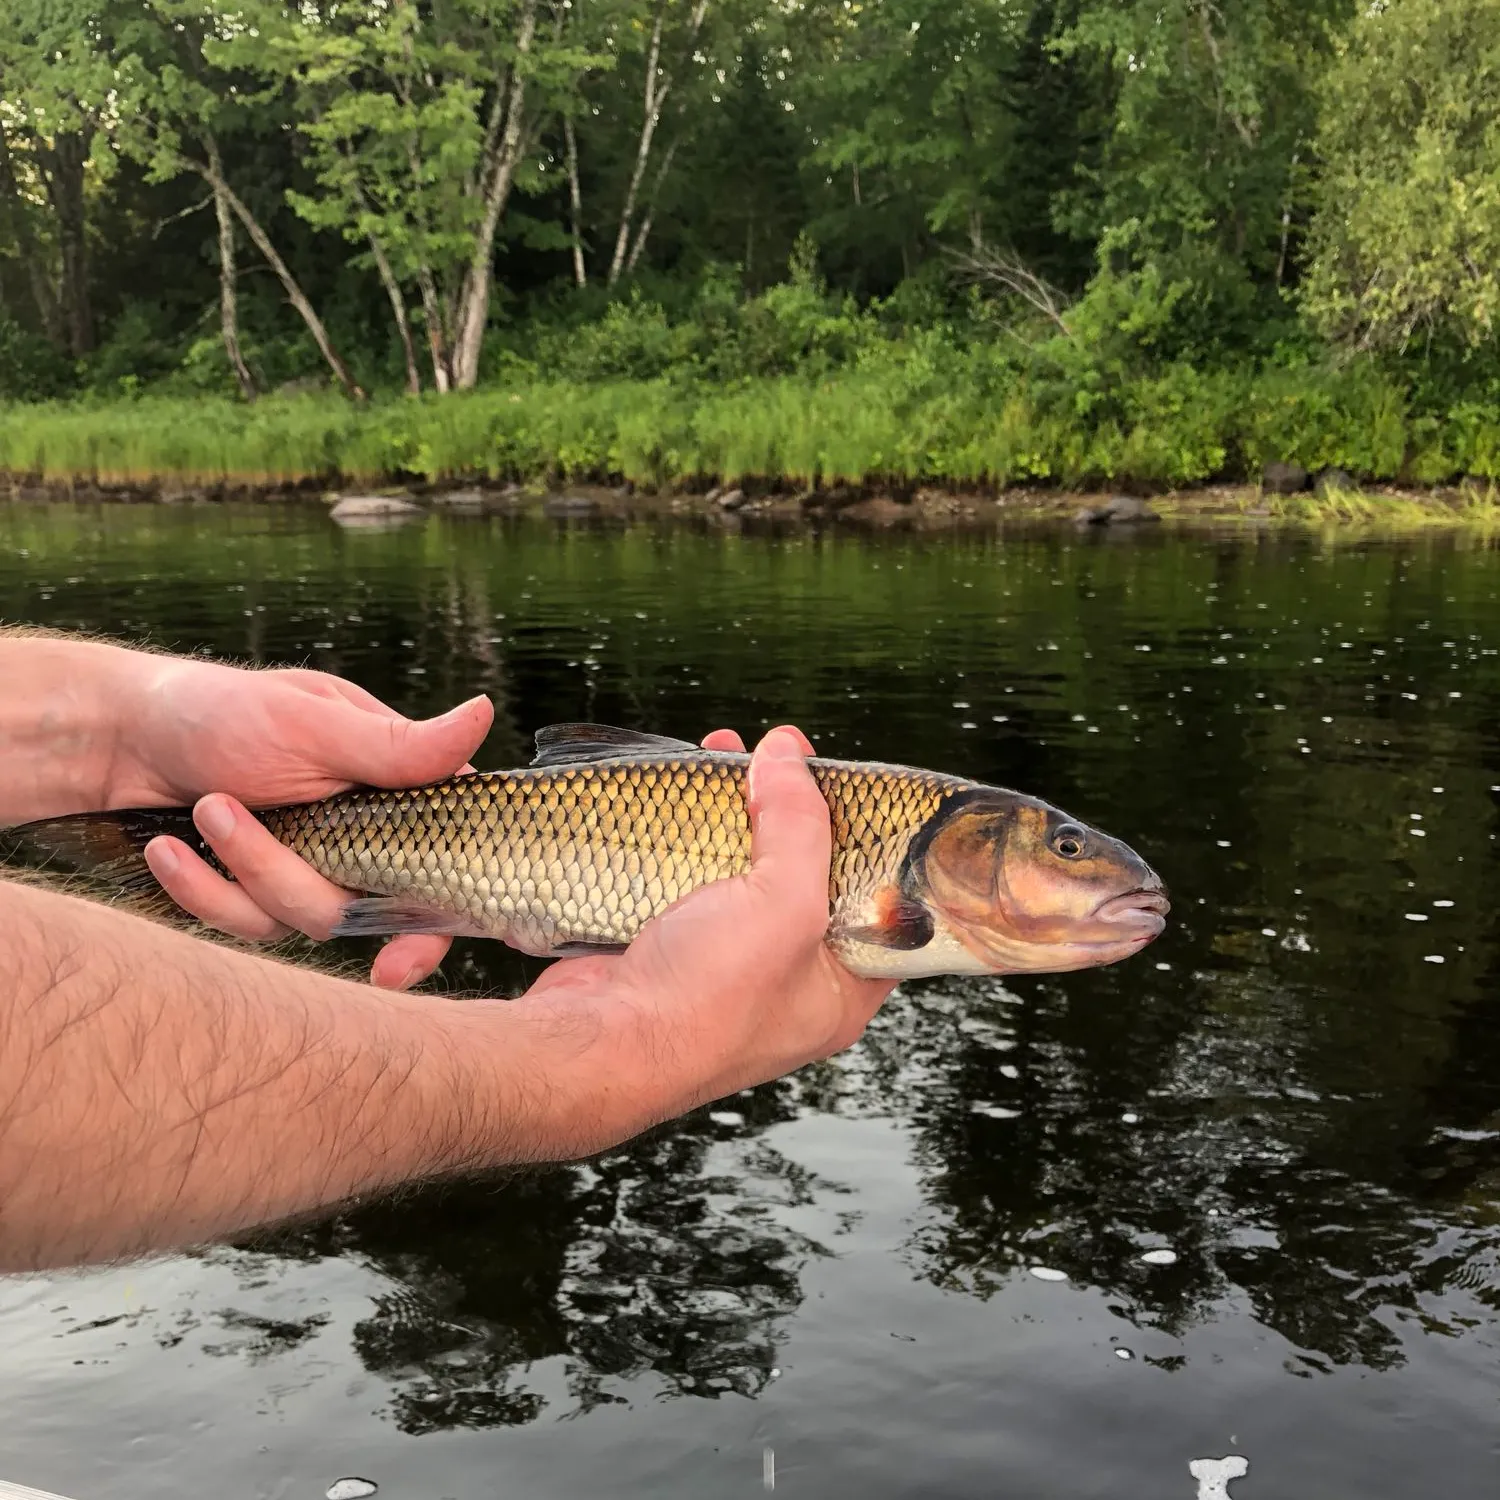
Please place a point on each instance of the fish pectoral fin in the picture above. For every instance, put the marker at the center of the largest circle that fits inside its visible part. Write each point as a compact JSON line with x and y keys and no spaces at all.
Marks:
{"x":568,"y":744}
{"x":586,"y":950}
{"x":900,"y":923}
{"x":378,"y":916}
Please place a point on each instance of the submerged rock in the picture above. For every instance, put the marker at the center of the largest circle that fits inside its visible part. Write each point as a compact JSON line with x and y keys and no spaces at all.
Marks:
{"x":461,"y":499}
{"x":570,"y":505}
{"x":1116,"y":511}
{"x":1285,"y":479}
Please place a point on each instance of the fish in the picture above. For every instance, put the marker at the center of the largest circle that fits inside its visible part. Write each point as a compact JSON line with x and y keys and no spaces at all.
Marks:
{"x":607,"y":828}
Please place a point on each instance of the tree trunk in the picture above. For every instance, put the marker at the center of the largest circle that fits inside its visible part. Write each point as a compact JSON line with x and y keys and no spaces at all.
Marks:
{"x":42,"y":292}
{"x":626,"y":255}
{"x":228,"y":299}
{"x":575,"y":203}
{"x":398,"y":310}
{"x":214,"y":175}
{"x":643,"y":233}
{"x":497,"y":174}
{"x":62,"y":167}
{"x":650,"y":115}
{"x":437,"y":332}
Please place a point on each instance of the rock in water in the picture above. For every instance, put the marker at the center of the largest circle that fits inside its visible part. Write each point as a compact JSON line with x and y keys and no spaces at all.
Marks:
{"x":562,"y":506}
{"x":1116,"y":511}
{"x":730,"y":500}
{"x":358,"y":508}
{"x":1284,"y":479}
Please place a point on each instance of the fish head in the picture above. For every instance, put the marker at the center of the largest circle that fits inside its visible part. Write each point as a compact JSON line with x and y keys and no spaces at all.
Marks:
{"x":1026,"y":889}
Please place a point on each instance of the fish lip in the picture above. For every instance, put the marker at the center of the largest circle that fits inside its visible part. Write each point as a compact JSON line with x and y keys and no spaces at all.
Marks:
{"x":1134,"y":905}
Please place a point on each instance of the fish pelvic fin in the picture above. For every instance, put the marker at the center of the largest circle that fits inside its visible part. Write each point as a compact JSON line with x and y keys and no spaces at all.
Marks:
{"x":570,"y":744}
{"x":382,"y":916}
{"x":110,"y":846}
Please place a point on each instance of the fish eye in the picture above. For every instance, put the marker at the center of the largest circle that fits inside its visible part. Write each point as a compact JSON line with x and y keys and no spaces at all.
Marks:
{"x":1068,"y":841}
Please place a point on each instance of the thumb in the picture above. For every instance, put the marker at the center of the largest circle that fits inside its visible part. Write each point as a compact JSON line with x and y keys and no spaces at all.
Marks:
{"x":385,"y":749}
{"x":791,"y":837}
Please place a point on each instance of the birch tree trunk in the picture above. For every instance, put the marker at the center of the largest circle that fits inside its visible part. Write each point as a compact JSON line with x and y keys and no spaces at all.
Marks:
{"x":644,"y":232}
{"x":627,"y":253}
{"x":214,"y":175}
{"x":438,"y":344}
{"x":498,"y":170}
{"x":229,"y":323}
{"x":575,"y":203}
{"x":652,"y":113}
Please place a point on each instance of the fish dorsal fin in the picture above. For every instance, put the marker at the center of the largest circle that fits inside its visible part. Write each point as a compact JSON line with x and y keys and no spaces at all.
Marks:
{"x":568,"y":744}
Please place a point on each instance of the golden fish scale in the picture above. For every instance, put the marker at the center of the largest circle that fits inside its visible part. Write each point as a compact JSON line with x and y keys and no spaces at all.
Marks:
{"x":590,"y":853}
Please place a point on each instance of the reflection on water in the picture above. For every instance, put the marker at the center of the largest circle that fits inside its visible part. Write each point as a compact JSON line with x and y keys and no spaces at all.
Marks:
{"x":1280,"y":1127}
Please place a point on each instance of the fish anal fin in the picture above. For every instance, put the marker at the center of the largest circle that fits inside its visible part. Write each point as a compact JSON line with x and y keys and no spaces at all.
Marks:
{"x":379,"y":916}
{"x":570,"y":744}
{"x":586,"y":950}
{"x":900,"y":923}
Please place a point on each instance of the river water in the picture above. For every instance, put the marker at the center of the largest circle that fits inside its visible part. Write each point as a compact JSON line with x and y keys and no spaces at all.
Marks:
{"x":1046,"y":1238}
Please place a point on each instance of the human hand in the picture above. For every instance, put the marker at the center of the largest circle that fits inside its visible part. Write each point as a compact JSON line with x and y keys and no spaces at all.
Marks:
{"x":265,"y":738}
{"x":731,"y":987}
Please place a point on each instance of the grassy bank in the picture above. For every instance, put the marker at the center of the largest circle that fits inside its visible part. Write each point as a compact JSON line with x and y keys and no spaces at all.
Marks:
{"x":965,"y":421}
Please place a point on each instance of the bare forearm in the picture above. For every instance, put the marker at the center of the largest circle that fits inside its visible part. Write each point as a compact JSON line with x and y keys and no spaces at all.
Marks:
{"x":156,"y":1090}
{"x":60,"y":724}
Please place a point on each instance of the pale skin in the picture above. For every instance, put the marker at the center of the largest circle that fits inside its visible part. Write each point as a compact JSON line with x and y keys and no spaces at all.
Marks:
{"x":158,"y":1091}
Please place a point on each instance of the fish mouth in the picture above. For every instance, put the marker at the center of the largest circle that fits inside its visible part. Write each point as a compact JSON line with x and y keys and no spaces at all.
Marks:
{"x":1142,"y":913}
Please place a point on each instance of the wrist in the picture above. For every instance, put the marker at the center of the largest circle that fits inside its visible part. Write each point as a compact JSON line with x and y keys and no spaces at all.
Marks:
{"x":62,"y":725}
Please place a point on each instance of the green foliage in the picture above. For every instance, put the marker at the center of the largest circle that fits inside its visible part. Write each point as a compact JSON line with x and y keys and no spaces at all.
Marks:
{"x":918,"y":410}
{"x":1407,"y":234}
{"x":31,"y":367}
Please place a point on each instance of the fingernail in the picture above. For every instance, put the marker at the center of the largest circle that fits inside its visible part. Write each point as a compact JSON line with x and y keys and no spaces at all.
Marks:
{"x":781,"y":744}
{"x":214,"y":819}
{"x":164,"y":860}
{"x":460,"y":710}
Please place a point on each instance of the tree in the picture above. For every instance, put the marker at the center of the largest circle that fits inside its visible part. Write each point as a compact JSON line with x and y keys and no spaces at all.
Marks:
{"x":179,"y":90}
{"x":1407,"y":230}
{"x":57,"y":88}
{"x":1214,"y":109}
{"x":417,"y":121}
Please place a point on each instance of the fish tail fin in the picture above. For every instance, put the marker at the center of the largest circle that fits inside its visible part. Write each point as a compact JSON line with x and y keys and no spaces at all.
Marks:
{"x":110,"y":846}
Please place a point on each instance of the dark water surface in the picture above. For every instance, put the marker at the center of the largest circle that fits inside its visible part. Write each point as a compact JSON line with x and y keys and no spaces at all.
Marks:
{"x":1265,"y":1155}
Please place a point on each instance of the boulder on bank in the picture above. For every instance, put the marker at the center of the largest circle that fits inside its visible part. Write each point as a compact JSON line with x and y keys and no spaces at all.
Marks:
{"x":1335,"y":482}
{"x":729,"y":501}
{"x":359,"y":510}
{"x":1285,"y":479}
{"x":1118,"y":510}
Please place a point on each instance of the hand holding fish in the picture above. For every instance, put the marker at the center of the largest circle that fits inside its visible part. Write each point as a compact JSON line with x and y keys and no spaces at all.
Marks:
{"x":298,"y":735}
{"x":731,"y":987}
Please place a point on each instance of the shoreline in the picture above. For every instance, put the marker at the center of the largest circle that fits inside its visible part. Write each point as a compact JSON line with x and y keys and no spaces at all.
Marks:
{"x":922,"y":507}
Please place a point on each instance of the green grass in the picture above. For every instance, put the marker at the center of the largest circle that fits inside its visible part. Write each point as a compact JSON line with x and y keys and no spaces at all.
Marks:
{"x":899,"y":417}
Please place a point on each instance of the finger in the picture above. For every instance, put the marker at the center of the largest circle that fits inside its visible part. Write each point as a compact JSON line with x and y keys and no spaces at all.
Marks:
{"x":791,"y":839}
{"x":378,"y":748}
{"x":279,"y":882}
{"x":408,"y":960}
{"x":203,"y":893}
{"x":723,"y":739}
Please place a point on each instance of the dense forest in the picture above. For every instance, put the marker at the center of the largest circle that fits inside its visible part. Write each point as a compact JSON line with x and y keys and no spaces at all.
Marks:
{"x":975,"y":239}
